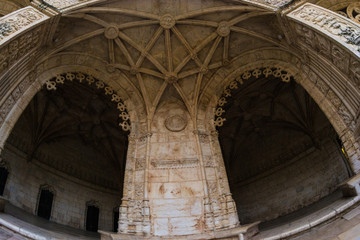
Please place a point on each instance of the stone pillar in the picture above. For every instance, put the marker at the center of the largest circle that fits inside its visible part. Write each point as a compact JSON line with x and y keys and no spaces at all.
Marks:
{"x":177,"y":176}
{"x":134,"y":213}
{"x":219,"y":203}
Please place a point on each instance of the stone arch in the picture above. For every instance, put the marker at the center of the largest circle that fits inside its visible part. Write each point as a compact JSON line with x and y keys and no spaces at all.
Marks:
{"x":31,"y":83}
{"x":331,"y":104}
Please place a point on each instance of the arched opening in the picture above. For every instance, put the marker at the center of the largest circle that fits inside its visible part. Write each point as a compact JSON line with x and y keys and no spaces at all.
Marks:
{"x":281,"y":152}
{"x":45,"y":203}
{"x":92,"y":217}
{"x":73,"y":135}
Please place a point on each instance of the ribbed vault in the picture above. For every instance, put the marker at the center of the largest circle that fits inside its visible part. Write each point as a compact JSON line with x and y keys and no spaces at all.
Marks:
{"x":175,"y":46}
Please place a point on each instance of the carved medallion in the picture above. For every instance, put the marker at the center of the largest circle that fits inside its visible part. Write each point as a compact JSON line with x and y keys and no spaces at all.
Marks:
{"x":111,"y":32}
{"x":167,"y":21}
{"x":175,"y":123}
{"x":223,"y":29}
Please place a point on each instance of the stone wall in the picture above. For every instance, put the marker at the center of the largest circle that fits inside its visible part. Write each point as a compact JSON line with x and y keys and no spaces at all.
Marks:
{"x":70,"y":199}
{"x":304,"y":180}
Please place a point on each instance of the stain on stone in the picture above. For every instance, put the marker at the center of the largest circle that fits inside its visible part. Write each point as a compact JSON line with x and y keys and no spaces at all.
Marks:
{"x":162,"y":189}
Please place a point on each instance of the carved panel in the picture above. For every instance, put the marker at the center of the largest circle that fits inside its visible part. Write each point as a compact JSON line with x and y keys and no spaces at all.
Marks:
{"x":18,"y":48}
{"x":330,"y":23}
{"x":18,"y":21}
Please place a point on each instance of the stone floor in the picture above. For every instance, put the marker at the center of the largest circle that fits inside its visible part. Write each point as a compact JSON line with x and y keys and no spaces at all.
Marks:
{"x":345,"y":226}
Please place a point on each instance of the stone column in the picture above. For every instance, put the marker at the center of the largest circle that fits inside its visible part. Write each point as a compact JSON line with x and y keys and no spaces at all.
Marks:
{"x":134,"y":217}
{"x":220,"y":208}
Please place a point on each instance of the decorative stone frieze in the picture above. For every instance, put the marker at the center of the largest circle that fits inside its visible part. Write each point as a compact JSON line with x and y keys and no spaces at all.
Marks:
{"x":334,"y":25}
{"x":19,"y":21}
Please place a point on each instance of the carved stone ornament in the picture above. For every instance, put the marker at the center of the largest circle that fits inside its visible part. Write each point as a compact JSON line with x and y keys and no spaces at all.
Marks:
{"x":175,"y":123}
{"x":335,"y":25}
{"x":223,"y":29}
{"x":62,"y":4}
{"x":90,"y":80}
{"x":353,"y":11}
{"x":15,"y":22}
{"x":167,"y":21}
{"x":266,"y":72}
{"x":273,"y":3}
{"x":170,"y":164}
{"x":111,"y":32}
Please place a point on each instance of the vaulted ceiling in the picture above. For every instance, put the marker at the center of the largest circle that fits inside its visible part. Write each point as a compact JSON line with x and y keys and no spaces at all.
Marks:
{"x":165,"y":45}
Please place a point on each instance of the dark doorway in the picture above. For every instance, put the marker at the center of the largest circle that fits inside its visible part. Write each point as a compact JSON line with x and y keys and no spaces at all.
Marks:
{"x":3,"y":177}
{"x":116,"y":220}
{"x":92,"y":218}
{"x":45,"y":204}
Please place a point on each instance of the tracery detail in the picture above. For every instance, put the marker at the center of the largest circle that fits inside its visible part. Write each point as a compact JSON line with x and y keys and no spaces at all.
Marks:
{"x":257,"y":73}
{"x":90,"y":80}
